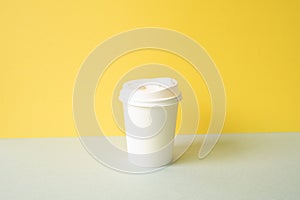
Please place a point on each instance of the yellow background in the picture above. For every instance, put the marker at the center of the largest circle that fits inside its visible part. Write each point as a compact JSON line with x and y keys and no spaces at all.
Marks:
{"x":255,"y":45}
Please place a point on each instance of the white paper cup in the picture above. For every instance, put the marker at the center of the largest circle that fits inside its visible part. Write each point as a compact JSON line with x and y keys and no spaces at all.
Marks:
{"x":150,"y":112}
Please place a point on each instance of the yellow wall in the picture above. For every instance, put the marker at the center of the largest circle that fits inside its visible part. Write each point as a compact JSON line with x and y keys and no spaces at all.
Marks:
{"x":255,"y":44}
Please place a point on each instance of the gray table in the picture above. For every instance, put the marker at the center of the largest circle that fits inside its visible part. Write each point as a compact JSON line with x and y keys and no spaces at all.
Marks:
{"x":242,"y":166}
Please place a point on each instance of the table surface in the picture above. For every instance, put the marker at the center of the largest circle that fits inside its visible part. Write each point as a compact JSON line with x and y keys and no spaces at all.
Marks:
{"x":241,"y":166}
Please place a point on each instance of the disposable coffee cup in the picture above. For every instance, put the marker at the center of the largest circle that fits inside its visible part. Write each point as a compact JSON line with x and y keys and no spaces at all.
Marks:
{"x":150,"y":113}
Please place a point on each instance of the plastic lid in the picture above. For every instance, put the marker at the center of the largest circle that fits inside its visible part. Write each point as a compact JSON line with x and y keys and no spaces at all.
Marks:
{"x":150,"y":92}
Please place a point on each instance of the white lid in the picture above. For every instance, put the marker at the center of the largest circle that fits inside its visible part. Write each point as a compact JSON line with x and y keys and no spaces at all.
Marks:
{"x":150,"y":92}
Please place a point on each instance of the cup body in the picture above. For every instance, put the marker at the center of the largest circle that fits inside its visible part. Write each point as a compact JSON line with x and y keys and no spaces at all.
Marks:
{"x":150,"y":134}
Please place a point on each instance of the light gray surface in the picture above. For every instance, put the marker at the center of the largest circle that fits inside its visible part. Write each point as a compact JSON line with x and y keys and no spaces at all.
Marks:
{"x":242,"y":166}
